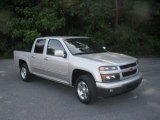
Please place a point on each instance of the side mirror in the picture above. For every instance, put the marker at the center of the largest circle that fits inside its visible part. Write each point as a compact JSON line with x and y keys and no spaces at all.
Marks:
{"x":104,"y":47}
{"x":60,"y":53}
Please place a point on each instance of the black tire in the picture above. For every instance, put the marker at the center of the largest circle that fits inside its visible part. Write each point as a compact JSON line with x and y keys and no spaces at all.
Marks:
{"x":27,"y":76}
{"x":92,"y":91}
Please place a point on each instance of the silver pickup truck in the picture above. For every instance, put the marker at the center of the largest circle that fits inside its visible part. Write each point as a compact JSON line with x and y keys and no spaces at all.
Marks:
{"x":82,"y":63}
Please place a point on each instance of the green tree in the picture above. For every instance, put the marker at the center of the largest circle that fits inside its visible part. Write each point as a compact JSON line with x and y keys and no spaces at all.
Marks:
{"x":125,"y":26}
{"x":32,"y":19}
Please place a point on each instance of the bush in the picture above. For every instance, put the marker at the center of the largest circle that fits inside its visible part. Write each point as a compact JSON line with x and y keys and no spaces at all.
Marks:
{"x":135,"y":33}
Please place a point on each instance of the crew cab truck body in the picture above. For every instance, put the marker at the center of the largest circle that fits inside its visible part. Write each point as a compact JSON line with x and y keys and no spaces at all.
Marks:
{"x":82,"y":63}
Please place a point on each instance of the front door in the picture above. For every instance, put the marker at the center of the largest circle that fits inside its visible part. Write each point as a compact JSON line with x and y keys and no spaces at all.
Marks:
{"x":56,"y":67}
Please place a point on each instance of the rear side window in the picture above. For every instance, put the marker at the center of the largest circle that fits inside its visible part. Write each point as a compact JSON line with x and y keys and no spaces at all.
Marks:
{"x":39,"y":46}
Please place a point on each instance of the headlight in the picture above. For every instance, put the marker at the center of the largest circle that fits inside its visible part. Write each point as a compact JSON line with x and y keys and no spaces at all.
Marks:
{"x":110,"y":77}
{"x":107,"y":68}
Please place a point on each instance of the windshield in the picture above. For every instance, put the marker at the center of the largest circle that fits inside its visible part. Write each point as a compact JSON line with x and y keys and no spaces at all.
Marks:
{"x":79,"y":46}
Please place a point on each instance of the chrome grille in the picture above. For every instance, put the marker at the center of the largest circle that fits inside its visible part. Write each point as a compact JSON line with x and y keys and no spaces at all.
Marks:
{"x":129,"y":69}
{"x":125,"y":74}
{"x":128,"y":65}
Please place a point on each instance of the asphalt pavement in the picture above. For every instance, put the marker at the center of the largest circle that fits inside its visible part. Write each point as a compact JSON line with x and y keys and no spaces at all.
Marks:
{"x":42,"y":99}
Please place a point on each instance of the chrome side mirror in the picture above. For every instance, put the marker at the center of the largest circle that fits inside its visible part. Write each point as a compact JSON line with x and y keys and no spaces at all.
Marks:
{"x":60,"y":53}
{"x":104,"y":47}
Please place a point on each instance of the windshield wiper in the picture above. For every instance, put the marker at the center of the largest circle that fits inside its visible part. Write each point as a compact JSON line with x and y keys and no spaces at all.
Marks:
{"x":95,"y":52}
{"x":79,"y":53}
{"x":90,"y":52}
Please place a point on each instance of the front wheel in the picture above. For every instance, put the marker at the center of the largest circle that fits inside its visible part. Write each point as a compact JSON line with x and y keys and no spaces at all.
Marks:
{"x":86,"y":89}
{"x":24,"y":73}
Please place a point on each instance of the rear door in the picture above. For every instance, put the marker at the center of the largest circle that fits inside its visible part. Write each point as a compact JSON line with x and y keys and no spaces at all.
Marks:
{"x":37,"y":56}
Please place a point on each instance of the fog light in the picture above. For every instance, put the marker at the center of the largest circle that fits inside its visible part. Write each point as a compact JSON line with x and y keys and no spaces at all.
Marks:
{"x":110,"y":90}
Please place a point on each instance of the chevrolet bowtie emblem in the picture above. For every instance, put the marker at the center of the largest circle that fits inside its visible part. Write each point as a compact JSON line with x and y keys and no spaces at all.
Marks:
{"x":130,"y":69}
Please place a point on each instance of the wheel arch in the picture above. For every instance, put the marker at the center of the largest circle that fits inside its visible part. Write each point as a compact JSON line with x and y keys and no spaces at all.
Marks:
{"x":77,"y":72}
{"x":22,"y":61}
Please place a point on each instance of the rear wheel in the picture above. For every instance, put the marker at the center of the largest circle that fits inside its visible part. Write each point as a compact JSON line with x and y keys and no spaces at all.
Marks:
{"x":86,"y":89}
{"x":24,"y":72}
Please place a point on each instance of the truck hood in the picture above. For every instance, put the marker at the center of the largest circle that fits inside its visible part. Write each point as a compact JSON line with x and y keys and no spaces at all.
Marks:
{"x":109,"y":58}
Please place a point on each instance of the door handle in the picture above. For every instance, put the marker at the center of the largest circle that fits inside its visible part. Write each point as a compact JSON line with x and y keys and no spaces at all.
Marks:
{"x":33,"y":56}
{"x":46,"y":58}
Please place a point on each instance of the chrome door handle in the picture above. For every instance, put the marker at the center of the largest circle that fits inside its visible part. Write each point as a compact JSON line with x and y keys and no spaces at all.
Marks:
{"x":46,"y":58}
{"x":33,"y":56}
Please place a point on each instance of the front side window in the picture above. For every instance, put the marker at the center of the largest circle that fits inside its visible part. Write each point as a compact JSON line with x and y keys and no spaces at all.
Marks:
{"x":53,"y":45}
{"x":39,"y":46}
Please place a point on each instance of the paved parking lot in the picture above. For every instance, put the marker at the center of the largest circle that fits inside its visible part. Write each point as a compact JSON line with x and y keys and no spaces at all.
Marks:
{"x":46,"y":100}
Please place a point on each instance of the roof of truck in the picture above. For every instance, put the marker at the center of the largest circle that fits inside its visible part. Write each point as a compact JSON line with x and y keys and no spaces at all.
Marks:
{"x":61,"y":37}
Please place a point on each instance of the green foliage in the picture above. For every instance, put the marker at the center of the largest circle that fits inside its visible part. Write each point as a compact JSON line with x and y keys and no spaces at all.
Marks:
{"x":137,"y":32}
{"x":33,"y":20}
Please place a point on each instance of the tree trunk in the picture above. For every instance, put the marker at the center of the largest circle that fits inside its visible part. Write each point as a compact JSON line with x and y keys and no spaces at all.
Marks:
{"x":116,"y":14}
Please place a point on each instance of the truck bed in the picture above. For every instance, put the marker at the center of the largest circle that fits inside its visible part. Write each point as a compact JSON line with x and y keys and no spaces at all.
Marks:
{"x":21,"y":55}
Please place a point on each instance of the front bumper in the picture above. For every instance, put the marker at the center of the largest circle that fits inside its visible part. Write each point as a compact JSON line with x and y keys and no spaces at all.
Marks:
{"x":122,"y":86}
